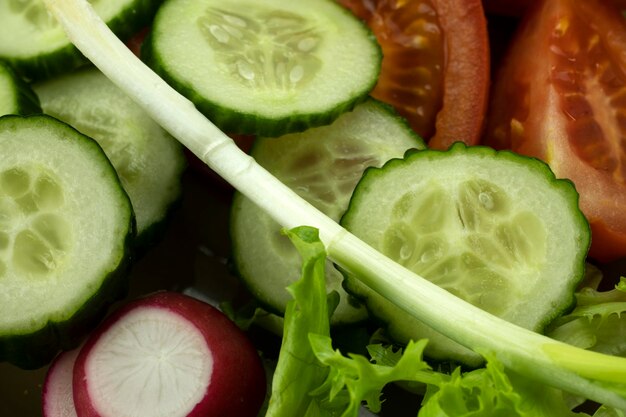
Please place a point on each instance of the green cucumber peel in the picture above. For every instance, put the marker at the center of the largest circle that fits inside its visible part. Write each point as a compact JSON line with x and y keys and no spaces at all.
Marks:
{"x":64,"y":260}
{"x":147,"y":160}
{"x":269,"y":67}
{"x":42,"y":50}
{"x":349,"y":381}
{"x":16,"y":96}
{"x":493,"y":227}
{"x":523,"y":351}
{"x":323,"y":165}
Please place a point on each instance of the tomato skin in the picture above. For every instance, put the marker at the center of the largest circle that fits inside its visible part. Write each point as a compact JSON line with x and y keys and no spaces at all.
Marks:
{"x":442,"y":88}
{"x":518,"y":7}
{"x":467,"y":74}
{"x":610,"y":243}
{"x":135,"y":42}
{"x":557,"y":97}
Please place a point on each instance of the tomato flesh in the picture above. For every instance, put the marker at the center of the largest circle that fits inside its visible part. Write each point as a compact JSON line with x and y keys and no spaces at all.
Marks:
{"x":435,"y":69}
{"x":518,"y":7}
{"x":561,"y":97}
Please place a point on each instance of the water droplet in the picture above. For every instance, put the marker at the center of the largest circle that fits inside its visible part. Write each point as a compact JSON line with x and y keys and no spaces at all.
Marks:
{"x":234,"y":32}
{"x":281,"y":71}
{"x":486,"y":200}
{"x":428,"y":256}
{"x":219,"y":33}
{"x":245,"y":70}
{"x":307,"y":44}
{"x":420,"y":42}
{"x":405,"y":252}
{"x":296,"y":74}
{"x":235,"y":20}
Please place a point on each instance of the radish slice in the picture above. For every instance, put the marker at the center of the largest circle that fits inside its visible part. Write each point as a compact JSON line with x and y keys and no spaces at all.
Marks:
{"x":57,"y":400}
{"x":168,"y":355}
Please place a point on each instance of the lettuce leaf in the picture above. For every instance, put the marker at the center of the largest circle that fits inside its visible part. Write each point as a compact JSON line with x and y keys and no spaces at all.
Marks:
{"x":493,"y":392}
{"x":298,"y":371}
{"x":609,"y":412}
{"x":355,"y":379}
{"x":312,"y":379}
{"x":598,"y":322}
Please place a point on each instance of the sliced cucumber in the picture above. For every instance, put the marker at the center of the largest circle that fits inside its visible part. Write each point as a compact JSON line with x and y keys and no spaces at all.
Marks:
{"x":323,"y":165}
{"x":36,"y":45}
{"x":495,"y":228}
{"x":147,"y":159}
{"x":16,"y":96}
{"x":266,"y":68}
{"x":65,"y":228}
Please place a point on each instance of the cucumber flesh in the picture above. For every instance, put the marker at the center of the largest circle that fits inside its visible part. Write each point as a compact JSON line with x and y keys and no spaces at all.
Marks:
{"x":268,"y":67}
{"x":36,"y":45}
{"x":16,"y":96}
{"x":323,"y":165}
{"x":494,"y":228}
{"x":65,"y":230}
{"x":147,"y":159}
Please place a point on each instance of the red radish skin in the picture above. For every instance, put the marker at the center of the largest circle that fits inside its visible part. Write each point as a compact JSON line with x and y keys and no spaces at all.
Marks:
{"x":219,"y":371}
{"x":57,"y":398}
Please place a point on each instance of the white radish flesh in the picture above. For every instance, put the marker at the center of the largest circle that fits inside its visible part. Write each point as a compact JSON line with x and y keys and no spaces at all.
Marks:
{"x":154,"y":352}
{"x":168,"y":355}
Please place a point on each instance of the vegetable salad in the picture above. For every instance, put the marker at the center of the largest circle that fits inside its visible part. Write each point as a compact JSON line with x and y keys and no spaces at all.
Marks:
{"x":569,"y":362}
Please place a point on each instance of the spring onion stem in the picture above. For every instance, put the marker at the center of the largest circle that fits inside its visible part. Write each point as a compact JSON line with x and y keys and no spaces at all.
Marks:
{"x":517,"y":348}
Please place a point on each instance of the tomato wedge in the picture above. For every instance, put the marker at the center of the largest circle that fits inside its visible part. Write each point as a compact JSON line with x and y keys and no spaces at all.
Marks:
{"x":435,"y":69}
{"x":560,"y":96}
{"x":134,"y":42}
{"x":517,"y":7}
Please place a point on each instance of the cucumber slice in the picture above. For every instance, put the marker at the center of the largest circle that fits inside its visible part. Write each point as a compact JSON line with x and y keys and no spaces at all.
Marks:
{"x":268,"y":67}
{"x":16,"y":96}
{"x":36,"y":45}
{"x":323,"y":165}
{"x":495,"y":228}
{"x":65,"y":229}
{"x":147,"y":159}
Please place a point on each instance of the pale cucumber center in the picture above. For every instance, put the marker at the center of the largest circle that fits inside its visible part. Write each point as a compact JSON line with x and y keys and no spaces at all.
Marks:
{"x":469,"y":241}
{"x":326,"y":172}
{"x":35,"y":12}
{"x":263,"y":49}
{"x":35,"y":238}
{"x":102,"y":122}
{"x":153,"y":363}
